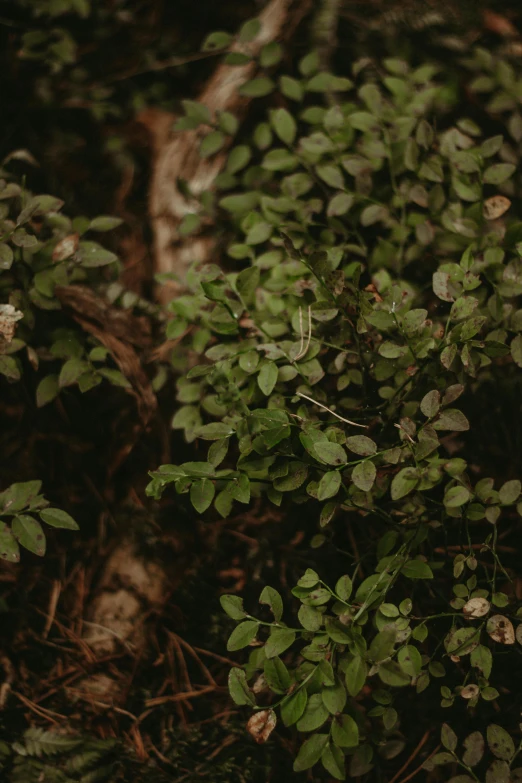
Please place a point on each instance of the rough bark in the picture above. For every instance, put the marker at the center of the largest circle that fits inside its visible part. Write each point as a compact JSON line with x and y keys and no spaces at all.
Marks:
{"x":178,"y":157}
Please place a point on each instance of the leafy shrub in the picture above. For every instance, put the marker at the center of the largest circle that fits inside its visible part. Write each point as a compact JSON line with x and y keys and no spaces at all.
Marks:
{"x":41,"y":346}
{"x":382,"y":271}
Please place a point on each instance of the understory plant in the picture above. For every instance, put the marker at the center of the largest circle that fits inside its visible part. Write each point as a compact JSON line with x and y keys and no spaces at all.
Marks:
{"x":376,"y":250}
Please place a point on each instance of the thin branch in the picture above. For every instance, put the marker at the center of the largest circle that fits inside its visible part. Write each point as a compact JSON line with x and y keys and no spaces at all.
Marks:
{"x":341,"y":418}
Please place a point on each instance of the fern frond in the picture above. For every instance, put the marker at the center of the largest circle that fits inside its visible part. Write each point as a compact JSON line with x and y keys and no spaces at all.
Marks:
{"x":100,"y":775}
{"x":38,"y":742}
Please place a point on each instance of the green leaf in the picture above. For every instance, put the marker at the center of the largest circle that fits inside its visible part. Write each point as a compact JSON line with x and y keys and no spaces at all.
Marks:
{"x":334,"y":697}
{"x":280,"y":639}
{"x":410,"y":661}
{"x":332,"y":175}
{"x":270,"y":54}
{"x":188,"y":225}
{"x":391,"y":674}
{"x":271,"y":598}
{"x":277,"y":675}
{"x":242,"y":635}
{"x":473,"y":749}
{"x":456,"y":496}
{"x":333,"y":762}
{"x":257,"y":88}
{"x":498,"y":772}
{"x":343,"y":587}
{"x":212,"y":143}
{"x":310,"y":752}
{"x":309,"y":579}
{"x":47,"y":390}
{"x":279,"y":160}
{"x":284,"y":125}
{"x":310,"y":618}
{"x":291,"y":88}
{"x":329,"y":485}
{"x":202,"y":494}
{"x":267,"y":378}
{"x":29,"y":534}
{"x":364,"y":474}
{"x":233,"y":606}
{"x":331,"y":453}
{"x":238,"y":688}
{"x":217,"y":40}
{"x":382,"y":645}
{"x":510,"y":492}
{"x":71,"y":371}
{"x":6,"y":256}
{"x":238,"y":158}
{"x":500,"y":742}
{"x":430,"y":403}
{"x":55,"y":517}
{"x":198,"y":469}
{"x":451,"y":419}
{"x":315,"y":714}
{"x":362,"y":445}
{"x":403,"y":483}
{"x":516,"y":349}
{"x":9,"y":549}
{"x":249,"y":30}
{"x":91,"y":255}
{"x":462,"y":641}
{"x":214,"y":431}
{"x":355,"y":674}
{"x":463,"y":307}
{"x":293,"y":707}
{"x":345,"y":731}
{"x":498,"y":173}
{"x":296,"y":476}
{"x":246,"y":283}
{"x":9,"y":367}
{"x":115,"y":377}
{"x":104,"y":223}
{"x":340,"y":204}
{"x":417,"y":569}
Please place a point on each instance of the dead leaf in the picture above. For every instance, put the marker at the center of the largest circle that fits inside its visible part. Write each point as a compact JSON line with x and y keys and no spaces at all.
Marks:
{"x":470,"y":691}
{"x":261,"y":725}
{"x":495,"y":206}
{"x":66,"y":247}
{"x":500,"y":629}
{"x":117,"y":330}
{"x":499,"y":24}
{"x":260,"y":684}
{"x":476,"y":607}
{"x":8,"y":318}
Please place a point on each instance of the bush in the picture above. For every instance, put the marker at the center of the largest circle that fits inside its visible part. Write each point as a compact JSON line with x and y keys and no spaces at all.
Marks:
{"x":340,"y":368}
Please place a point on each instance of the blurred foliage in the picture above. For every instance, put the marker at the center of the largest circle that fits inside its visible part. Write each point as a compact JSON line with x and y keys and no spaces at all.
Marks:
{"x":353,"y":360}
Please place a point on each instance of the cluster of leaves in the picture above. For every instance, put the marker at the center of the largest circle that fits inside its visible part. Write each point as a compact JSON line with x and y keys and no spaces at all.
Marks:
{"x":40,"y":248}
{"x":500,"y":744}
{"x":40,"y":345}
{"x":18,"y":528}
{"x":357,"y":639}
{"x":381,"y":283}
{"x":58,"y":758}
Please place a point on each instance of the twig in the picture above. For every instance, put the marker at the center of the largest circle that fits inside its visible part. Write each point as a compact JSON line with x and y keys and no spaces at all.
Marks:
{"x":302,"y":349}
{"x":417,"y":769}
{"x":341,"y":418}
{"x":196,"y":657}
{"x":49,"y":715}
{"x":5,"y":688}
{"x":217,"y":657}
{"x":155,"y":702}
{"x":53,"y":603}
